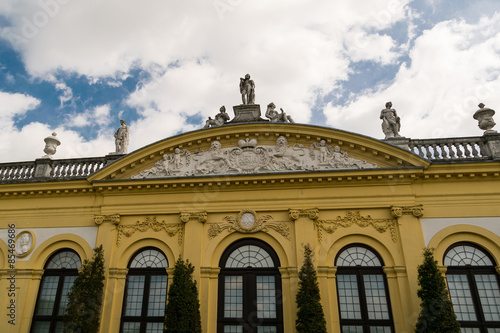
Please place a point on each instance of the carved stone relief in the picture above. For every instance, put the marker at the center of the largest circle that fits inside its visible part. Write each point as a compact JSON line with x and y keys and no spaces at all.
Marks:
{"x":249,"y":157}
{"x":354,"y":217}
{"x":151,"y":223}
{"x":247,"y":222}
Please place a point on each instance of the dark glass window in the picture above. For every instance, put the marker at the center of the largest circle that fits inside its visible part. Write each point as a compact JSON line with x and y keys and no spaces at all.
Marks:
{"x":362,"y":292}
{"x":59,"y":275}
{"x":474,"y":288}
{"x":145,"y":293}
{"x":250,"y":289}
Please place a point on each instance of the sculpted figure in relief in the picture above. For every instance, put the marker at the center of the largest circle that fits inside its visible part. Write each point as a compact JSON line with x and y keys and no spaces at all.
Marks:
{"x":247,"y":90}
{"x":391,"y":123}
{"x":277,"y":117}
{"x":121,"y":138}
{"x":220,"y":119}
{"x":215,"y":160}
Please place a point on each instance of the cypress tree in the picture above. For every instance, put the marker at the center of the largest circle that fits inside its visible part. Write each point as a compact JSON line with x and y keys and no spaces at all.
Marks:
{"x":182,"y":314}
{"x":436,"y":309}
{"x":310,"y":316}
{"x":83,"y":312}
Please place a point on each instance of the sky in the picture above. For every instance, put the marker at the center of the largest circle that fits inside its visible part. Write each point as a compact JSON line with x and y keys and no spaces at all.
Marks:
{"x":77,"y":67}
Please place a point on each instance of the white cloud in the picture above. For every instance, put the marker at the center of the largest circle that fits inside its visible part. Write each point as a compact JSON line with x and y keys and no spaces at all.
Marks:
{"x":99,"y":115}
{"x":454,"y":66}
{"x":67,"y":93}
{"x":14,"y":105}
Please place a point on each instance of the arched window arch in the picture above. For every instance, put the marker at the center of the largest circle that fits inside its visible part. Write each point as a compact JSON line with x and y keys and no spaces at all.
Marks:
{"x":249,"y":289}
{"x":145,"y":292}
{"x":363,"y":296}
{"x":474,"y":288}
{"x":60,"y":273}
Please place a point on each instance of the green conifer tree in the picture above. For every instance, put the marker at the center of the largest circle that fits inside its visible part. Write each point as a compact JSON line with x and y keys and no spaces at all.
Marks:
{"x":182,"y":314}
{"x":436,"y":309}
{"x":83,"y":312}
{"x":310,"y":315}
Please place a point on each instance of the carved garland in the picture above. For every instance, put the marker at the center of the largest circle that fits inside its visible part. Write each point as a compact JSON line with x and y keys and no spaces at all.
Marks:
{"x":354,"y":217}
{"x":246,"y":222}
{"x":151,"y":223}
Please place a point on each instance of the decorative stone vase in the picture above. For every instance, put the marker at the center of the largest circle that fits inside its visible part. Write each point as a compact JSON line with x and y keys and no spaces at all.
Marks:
{"x":51,"y":143}
{"x":484,"y":116}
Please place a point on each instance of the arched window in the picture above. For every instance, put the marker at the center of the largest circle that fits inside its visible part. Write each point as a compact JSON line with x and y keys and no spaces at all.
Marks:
{"x":145,"y":293}
{"x":249,"y":289}
{"x":474,"y":288}
{"x":362,"y":292}
{"x":60,"y":272}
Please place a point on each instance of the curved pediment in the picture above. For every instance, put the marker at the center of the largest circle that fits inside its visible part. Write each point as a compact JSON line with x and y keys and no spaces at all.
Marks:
{"x":256,"y":148}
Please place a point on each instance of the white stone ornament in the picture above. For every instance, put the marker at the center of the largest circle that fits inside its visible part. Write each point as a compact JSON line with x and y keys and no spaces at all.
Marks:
{"x":248,"y":158}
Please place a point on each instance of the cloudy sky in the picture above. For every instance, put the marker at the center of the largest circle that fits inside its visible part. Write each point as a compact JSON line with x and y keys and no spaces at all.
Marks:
{"x":78,"y":67}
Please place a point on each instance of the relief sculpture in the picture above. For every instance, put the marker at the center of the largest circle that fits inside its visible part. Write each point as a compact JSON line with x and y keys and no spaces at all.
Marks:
{"x":249,"y":157}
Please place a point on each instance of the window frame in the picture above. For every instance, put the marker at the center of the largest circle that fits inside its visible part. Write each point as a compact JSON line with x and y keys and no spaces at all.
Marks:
{"x":360,"y":271}
{"x":249,"y":283}
{"x":471,"y":271}
{"x":147,"y":272}
{"x":63,"y":274}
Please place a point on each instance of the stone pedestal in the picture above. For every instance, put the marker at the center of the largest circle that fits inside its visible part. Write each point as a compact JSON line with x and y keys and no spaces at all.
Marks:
{"x":246,"y":113}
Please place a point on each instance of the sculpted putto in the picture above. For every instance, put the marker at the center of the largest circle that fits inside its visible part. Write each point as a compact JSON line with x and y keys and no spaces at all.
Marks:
{"x":390,"y":121}
{"x":276,"y":117}
{"x":220,"y":119}
{"x":247,"y":90}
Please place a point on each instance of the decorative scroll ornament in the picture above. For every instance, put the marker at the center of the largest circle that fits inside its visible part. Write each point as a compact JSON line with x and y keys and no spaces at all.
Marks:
{"x":295,"y":214}
{"x":249,"y":157}
{"x":417,"y":211}
{"x":247,"y":223}
{"x":100,"y":219}
{"x":151,"y":223}
{"x":381,"y":225}
{"x":200,"y":216}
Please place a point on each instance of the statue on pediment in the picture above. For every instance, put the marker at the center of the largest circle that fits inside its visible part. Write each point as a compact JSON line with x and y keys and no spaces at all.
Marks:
{"x":277,"y":117}
{"x":247,"y":90}
{"x":220,"y":119}
{"x":122,"y":138}
{"x":391,"y":123}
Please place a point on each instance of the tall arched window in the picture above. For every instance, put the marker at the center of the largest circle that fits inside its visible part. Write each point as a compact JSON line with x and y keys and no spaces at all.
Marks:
{"x":362,"y":292}
{"x":474,"y":288}
{"x":249,"y":289}
{"x":60,"y":272}
{"x":145,"y":293}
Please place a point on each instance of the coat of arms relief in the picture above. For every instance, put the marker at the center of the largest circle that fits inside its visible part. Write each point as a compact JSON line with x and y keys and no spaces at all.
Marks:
{"x":249,"y":158}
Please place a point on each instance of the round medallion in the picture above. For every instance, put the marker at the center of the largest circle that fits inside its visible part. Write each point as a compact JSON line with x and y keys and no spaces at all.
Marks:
{"x":247,"y":220}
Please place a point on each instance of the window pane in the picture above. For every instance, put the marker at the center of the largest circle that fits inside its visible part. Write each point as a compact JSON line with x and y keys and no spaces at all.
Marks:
{"x":135,"y":291}
{"x":470,"y":330}
{"x":59,"y":327}
{"x":462,"y":255}
{"x":249,"y":256}
{"x":352,"y":329}
{"x":157,"y":295}
{"x":41,"y":327}
{"x":376,"y":300}
{"x":47,"y":295}
{"x":149,"y":258}
{"x":65,"y":259}
{"x":267,"y":329}
{"x":348,"y":297}
{"x":461,"y":297}
{"x":131,"y":327}
{"x":266,"y":297}
{"x":233,"y":297}
{"x":489,"y":294}
{"x":154,"y":328}
{"x":233,"y":329}
{"x":68,"y":283}
{"x":380,"y":329}
{"x":358,"y":255}
{"x":493,"y":330}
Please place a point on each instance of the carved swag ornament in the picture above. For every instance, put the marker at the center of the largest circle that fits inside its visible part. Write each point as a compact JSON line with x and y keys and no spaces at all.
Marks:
{"x":249,"y":157}
{"x":151,"y":223}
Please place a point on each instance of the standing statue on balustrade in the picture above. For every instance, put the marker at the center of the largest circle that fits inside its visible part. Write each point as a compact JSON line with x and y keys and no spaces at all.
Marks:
{"x":391,"y":123}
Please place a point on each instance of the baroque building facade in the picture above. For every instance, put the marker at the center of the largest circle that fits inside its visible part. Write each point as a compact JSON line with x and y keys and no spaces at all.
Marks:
{"x":240,"y":201}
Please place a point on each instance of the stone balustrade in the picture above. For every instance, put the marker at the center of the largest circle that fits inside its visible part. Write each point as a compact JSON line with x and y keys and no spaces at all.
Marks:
{"x":47,"y":169}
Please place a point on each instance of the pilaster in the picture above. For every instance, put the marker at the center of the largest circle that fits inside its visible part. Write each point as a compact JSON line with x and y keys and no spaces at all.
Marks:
{"x":192,"y":247}
{"x":304,"y":232}
{"x":113,"y":299}
{"x":209,"y":278}
{"x":328,"y":290}
{"x":399,"y":293}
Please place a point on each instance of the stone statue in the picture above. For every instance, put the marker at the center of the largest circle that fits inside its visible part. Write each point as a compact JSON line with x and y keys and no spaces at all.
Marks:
{"x":23,"y":244}
{"x":121,"y":138}
{"x":220,"y":119}
{"x":247,"y":90}
{"x":484,"y":117}
{"x":51,"y":143}
{"x":390,"y":121}
{"x":277,"y":117}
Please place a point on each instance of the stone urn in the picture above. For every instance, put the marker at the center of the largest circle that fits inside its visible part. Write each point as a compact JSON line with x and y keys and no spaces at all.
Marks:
{"x":51,"y":143}
{"x":484,"y":117}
